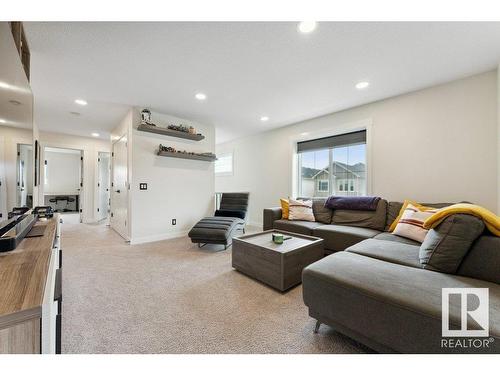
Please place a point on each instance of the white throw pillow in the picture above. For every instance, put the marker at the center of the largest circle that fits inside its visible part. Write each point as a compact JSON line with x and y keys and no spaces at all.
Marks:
{"x":300,"y":210}
{"x":411,"y":223}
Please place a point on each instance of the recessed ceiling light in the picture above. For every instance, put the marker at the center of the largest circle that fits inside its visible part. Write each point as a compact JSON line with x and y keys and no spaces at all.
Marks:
{"x":307,"y":26}
{"x":2,"y":121}
{"x":75,"y":113}
{"x":200,"y":96}
{"x":4,"y":85}
{"x":305,"y":133}
{"x":81,"y":102}
{"x":264,"y":118}
{"x":95,"y":134}
{"x":362,"y":85}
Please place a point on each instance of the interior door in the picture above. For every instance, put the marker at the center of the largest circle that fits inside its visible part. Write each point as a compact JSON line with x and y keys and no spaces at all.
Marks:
{"x":119,"y":188}
{"x":103,"y":185}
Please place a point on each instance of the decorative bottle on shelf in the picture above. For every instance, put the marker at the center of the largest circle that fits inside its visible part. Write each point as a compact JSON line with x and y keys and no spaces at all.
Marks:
{"x":146,"y":117}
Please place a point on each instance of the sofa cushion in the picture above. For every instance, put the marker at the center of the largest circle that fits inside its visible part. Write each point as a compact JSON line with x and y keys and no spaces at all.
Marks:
{"x":296,"y":226}
{"x":445,"y":246}
{"x":389,"y":251}
{"x":360,"y":203}
{"x":386,"y":236}
{"x":393,"y":209}
{"x":483,"y":260}
{"x":321,"y":213}
{"x":365,"y":219}
{"x":401,"y":306}
{"x":340,"y":237}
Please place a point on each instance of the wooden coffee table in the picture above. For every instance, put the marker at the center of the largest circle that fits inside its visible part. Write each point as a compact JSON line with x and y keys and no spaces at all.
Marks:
{"x":279,"y":266}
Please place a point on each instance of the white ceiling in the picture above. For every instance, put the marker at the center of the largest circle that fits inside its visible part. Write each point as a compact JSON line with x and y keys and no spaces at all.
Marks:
{"x":247,"y":69}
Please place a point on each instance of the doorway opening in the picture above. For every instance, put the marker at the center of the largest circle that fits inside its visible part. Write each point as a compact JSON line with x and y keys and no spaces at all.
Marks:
{"x":24,"y":174}
{"x":103,"y":185}
{"x":63,"y":182}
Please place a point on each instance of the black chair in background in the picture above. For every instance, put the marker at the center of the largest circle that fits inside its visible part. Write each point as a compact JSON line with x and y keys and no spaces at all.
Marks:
{"x":227,"y":220}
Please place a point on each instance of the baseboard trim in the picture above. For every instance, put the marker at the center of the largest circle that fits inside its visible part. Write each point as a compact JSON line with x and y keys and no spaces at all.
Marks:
{"x":157,"y":237}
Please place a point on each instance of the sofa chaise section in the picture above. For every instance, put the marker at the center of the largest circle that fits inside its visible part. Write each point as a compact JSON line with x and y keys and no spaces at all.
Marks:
{"x":389,"y":307}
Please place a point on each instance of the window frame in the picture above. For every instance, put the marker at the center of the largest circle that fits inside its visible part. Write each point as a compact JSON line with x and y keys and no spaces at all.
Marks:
{"x":327,"y":186}
{"x":225,"y":174}
{"x":365,"y":125}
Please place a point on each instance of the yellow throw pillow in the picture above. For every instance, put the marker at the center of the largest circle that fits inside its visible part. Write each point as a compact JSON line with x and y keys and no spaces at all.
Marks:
{"x":405,"y":204}
{"x":285,"y":208}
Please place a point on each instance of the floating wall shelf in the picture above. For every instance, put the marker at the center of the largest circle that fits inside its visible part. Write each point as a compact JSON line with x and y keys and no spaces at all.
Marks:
{"x":182,"y":155}
{"x":169,"y":132}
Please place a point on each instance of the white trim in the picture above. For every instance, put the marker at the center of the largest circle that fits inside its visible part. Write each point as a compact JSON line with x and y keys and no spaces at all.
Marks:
{"x":226,"y":174}
{"x":328,"y":186}
{"x":158,"y":237}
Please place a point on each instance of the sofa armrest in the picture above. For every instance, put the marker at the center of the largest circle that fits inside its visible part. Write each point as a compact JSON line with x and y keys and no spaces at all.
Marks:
{"x":270,"y":215}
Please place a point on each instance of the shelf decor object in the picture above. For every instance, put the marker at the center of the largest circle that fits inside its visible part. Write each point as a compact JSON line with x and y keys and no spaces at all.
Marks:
{"x":169,"y":132}
{"x":186,"y":155}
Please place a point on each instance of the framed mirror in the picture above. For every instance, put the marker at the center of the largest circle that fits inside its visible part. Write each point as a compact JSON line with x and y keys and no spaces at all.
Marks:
{"x":16,"y":128}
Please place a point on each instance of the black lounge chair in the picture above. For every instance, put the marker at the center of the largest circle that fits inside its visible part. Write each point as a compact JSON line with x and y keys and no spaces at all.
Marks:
{"x":227,"y":220}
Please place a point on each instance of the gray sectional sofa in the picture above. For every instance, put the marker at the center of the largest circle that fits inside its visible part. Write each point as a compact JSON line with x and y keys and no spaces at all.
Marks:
{"x":377,"y":291}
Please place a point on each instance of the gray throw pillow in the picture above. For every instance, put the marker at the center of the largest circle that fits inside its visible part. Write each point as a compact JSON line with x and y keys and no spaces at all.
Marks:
{"x":445,"y":246}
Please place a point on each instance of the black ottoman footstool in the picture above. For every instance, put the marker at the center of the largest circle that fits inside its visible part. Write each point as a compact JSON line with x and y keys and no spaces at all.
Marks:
{"x":216,"y":230}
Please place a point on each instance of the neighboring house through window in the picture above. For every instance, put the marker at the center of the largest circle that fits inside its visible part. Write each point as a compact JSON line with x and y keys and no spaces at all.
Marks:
{"x":333,"y":166}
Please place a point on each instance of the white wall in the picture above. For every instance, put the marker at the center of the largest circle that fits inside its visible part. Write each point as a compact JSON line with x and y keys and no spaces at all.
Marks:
{"x":498,"y":138}
{"x":91,"y":147}
{"x":177,"y":189}
{"x":437,"y":144}
{"x":62,"y":173}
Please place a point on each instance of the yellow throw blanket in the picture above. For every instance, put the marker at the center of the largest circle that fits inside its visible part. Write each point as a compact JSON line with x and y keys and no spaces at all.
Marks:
{"x":491,"y":220}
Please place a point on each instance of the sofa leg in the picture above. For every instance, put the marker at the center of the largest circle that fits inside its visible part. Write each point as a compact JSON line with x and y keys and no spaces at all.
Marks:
{"x":316,"y":327}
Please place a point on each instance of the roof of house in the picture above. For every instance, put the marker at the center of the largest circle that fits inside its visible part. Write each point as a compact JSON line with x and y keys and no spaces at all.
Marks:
{"x":356,"y":169}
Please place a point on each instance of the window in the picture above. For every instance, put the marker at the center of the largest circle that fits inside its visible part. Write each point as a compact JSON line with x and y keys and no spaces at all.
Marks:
{"x":224,"y":165}
{"x":323,"y":185}
{"x":333,"y":166}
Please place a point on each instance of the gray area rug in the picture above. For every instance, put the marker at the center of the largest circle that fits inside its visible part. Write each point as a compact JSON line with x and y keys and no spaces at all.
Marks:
{"x":171,"y":297}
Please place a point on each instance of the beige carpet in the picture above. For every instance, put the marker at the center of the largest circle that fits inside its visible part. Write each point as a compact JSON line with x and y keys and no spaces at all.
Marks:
{"x":171,"y":297}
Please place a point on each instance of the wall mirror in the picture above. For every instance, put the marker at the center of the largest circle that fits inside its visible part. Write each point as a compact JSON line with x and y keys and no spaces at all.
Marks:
{"x":16,"y":128}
